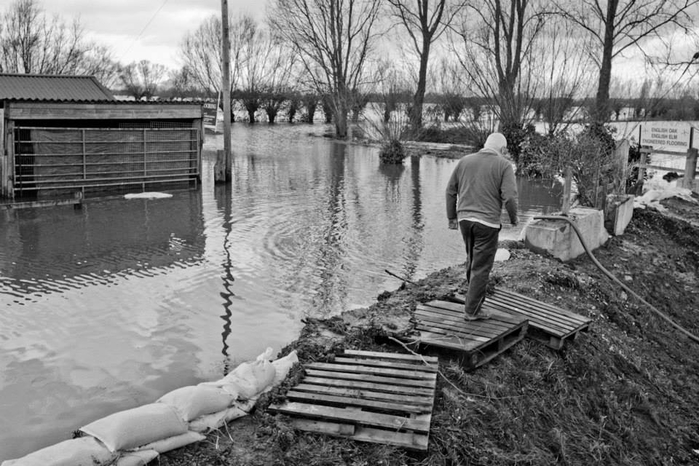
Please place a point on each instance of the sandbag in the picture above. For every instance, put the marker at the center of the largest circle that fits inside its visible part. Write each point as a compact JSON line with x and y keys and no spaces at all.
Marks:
{"x":137,"y":458}
{"x":81,"y":451}
{"x":132,"y":428}
{"x":282,"y":366}
{"x":171,"y":443}
{"x":194,"y":401}
{"x":215,"y":421}
{"x":250,"y":378}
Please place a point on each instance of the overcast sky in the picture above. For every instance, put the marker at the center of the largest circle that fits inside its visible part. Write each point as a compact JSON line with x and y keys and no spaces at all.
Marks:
{"x":143,"y":29}
{"x":154,"y":29}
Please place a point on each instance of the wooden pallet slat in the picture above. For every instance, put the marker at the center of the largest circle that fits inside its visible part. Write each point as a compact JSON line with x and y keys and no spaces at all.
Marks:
{"x":355,"y":416}
{"x":541,"y":308}
{"x":364,"y":434}
{"x":484,"y":329}
{"x":424,"y":383}
{"x":340,"y":400}
{"x":386,"y":364}
{"x":456,"y":310}
{"x":442,"y":324}
{"x":400,"y":373}
{"x":557,"y":321}
{"x":549,"y":324}
{"x":551,"y":319}
{"x":408,"y":399}
{"x":391,"y":389}
{"x":366,"y":396}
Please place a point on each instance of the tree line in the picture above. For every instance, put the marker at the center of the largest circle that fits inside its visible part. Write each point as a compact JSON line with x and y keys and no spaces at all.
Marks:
{"x":523,"y":59}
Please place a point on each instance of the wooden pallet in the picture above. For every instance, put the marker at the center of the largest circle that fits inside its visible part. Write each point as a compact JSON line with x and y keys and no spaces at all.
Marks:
{"x":367,"y":396}
{"x":442,"y":324}
{"x":549,"y":324}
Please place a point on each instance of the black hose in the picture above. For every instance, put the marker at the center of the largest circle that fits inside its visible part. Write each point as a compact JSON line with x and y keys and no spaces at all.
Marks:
{"x":613,"y":278}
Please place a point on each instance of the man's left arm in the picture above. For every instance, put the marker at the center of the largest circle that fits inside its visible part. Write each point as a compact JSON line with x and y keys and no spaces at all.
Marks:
{"x":508,"y":191}
{"x":451,"y":197}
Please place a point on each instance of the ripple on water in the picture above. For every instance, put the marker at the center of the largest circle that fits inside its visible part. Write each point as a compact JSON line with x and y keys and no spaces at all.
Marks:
{"x":110,"y":306}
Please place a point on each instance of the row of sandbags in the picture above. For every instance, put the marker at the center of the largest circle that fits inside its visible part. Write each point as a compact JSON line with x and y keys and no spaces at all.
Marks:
{"x":137,"y":436}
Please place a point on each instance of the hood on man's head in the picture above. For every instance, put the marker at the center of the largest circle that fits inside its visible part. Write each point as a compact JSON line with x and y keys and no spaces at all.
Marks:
{"x":495,"y":141}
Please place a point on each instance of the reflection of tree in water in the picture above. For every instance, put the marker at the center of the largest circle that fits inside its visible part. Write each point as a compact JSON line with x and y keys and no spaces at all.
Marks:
{"x":223,"y":203}
{"x":393,"y":173}
{"x":414,"y":240}
{"x":331,"y":251}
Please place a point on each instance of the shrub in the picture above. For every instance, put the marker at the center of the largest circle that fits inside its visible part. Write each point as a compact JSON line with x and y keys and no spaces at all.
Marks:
{"x":392,"y":152}
{"x":589,"y":155}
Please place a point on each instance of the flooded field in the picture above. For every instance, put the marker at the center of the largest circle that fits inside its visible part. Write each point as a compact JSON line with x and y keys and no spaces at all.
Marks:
{"x":108,"y":307}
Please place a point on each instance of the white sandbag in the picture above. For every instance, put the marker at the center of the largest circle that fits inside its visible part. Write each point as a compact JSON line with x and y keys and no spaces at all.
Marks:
{"x":215,"y":421}
{"x":251,"y":378}
{"x":83,"y":451}
{"x":137,"y":458}
{"x":132,"y":428}
{"x":282,"y":366}
{"x":197,"y":400}
{"x":165,"y":445}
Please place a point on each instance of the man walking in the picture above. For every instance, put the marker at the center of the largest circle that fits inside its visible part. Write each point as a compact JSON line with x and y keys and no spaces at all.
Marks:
{"x":479,"y":186}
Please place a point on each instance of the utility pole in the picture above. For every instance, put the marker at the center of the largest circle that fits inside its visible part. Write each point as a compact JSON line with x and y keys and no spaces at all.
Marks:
{"x":223,"y":174}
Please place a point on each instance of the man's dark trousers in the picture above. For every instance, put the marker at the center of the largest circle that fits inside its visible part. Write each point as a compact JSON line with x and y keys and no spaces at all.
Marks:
{"x":481,"y":245}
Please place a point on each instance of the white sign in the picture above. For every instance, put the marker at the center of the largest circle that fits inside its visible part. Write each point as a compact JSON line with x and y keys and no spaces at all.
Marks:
{"x":670,"y":136}
{"x":212,"y":115}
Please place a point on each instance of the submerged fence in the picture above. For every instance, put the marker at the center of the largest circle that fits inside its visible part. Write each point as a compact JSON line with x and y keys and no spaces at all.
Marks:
{"x":49,"y":162}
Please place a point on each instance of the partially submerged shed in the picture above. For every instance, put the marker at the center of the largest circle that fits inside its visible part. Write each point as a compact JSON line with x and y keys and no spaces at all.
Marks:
{"x":64,"y":135}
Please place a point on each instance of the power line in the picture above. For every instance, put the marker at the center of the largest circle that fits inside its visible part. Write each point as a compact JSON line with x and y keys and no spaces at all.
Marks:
{"x":144,"y":29}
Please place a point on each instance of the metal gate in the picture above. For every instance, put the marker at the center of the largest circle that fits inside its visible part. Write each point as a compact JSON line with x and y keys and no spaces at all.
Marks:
{"x":54,"y":162}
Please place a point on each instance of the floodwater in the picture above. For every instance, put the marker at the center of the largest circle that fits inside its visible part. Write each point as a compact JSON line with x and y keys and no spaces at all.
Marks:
{"x":110,"y":306}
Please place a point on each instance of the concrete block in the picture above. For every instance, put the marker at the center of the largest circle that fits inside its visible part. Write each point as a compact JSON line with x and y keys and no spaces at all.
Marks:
{"x":618,"y":213}
{"x":558,"y":238}
{"x":689,"y":184}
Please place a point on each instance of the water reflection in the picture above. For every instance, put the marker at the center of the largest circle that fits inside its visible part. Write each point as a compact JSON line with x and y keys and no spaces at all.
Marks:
{"x":110,"y":307}
{"x":223,"y":204}
{"x":54,"y":249}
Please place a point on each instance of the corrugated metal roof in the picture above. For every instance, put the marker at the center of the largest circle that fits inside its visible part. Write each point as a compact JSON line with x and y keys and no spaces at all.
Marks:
{"x":52,"y":87}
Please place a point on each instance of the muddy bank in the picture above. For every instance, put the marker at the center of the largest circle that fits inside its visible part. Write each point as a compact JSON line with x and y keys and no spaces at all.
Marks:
{"x":622,"y":393}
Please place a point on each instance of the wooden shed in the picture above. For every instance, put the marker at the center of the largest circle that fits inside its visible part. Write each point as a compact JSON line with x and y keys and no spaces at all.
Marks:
{"x":62,"y":136}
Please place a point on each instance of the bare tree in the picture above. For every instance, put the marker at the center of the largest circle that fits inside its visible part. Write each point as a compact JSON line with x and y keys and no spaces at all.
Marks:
{"x":202,"y":55}
{"x":264,"y":68}
{"x":620,"y":25}
{"x":450,"y":89}
{"x":390,"y":86}
{"x":333,"y":39}
{"x":141,"y":80}
{"x":566,"y":74}
{"x":32,"y":43}
{"x":494,"y":44}
{"x":424,"y":23}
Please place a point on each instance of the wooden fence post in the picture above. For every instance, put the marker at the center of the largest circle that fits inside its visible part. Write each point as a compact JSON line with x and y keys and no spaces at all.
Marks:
{"x":690,"y":168}
{"x":642,"y":165}
{"x":567,"y":188}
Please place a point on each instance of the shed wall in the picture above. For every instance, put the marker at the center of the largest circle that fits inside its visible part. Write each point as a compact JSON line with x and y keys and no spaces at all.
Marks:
{"x":57,"y":162}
